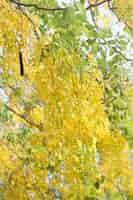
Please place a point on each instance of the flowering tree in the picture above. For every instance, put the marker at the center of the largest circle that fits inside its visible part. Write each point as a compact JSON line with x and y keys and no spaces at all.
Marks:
{"x":65,"y":97}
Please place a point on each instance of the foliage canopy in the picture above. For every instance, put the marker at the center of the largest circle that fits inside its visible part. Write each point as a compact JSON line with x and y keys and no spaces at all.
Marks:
{"x":66,"y":124}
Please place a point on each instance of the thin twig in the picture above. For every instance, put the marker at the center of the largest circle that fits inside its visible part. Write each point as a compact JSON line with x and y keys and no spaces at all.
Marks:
{"x":129,"y":27}
{"x":31,"y":21}
{"x":98,"y":4}
{"x":122,"y":55}
{"x":36,"y":6}
{"x":29,"y":121}
{"x":115,"y":48}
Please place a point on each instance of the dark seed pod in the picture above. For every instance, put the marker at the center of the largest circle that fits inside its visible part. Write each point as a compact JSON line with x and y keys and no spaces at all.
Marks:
{"x":21,"y":63}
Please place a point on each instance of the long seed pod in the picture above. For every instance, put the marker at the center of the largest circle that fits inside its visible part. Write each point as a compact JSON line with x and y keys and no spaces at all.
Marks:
{"x":21,"y":63}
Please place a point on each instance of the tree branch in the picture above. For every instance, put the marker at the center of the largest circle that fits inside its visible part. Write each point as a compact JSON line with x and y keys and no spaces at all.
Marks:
{"x":122,"y":55}
{"x":57,"y":8}
{"x":29,"y":121}
{"x":36,"y":6}
{"x":97,"y":4}
{"x":117,"y":50}
{"x":31,"y":21}
{"x":129,"y":27}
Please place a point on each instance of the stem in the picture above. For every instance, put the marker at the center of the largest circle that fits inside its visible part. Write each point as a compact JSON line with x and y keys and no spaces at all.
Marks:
{"x":36,"y":6}
{"x":29,"y":121}
{"x":57,"y":8}
{"x":98,"y":4}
